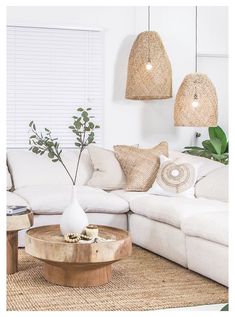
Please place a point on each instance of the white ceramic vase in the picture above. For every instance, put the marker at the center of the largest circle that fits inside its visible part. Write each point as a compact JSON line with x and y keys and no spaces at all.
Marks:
{"x":74,"y":218}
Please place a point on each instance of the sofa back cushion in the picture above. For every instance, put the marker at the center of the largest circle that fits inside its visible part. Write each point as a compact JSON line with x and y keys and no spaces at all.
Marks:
{"x":205,"y":165}
{"x":107,"y":172}
{"x":214,"y":185}
{"x":29,"y":169}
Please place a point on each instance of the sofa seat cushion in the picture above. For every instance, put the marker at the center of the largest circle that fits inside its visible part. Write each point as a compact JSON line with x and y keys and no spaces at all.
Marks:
{"x":14,"y":199}
{"x":209,"y":225}
{"x":54,"y":199}
{"x":171,"y":210}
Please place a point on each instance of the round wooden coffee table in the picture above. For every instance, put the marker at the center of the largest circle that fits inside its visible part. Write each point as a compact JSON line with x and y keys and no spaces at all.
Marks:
{"x":14,"y":224}
{"x":77,"y":264}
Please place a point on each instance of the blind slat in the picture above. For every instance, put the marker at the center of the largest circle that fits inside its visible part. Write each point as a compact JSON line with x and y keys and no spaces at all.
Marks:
{"x":50,"y":73}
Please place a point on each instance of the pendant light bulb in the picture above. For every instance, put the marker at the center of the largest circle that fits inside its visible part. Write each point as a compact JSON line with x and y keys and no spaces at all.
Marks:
{"x":195,"y":102}
{"x":148,"y":66}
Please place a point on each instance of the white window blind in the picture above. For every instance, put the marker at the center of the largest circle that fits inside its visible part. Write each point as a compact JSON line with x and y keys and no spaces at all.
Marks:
{"x":50,"y":73}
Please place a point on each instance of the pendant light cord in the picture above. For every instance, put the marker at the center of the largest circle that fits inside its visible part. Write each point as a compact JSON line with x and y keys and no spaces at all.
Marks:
{"x":149,"y":60}
{"x":196,"y":39}
{"x":148,"y":18}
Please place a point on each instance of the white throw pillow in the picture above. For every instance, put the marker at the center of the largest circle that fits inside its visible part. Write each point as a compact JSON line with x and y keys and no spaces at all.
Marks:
{"x":107,"y":172}
{"x":174,"y":178}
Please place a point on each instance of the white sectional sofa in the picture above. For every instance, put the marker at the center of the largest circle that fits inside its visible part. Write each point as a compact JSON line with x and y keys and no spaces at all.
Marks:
{"x":192,"y":232}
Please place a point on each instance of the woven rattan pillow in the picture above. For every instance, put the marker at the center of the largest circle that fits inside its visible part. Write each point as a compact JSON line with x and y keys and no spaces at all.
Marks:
{"x":140,"y":165}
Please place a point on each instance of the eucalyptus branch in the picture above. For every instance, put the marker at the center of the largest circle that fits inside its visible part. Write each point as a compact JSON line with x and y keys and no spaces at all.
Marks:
{"x":41,"y":144}
{"x":82,"y":127}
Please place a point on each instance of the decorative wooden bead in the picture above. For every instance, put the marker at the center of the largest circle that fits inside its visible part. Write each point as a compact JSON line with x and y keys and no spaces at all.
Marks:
{"x":72,"y":237}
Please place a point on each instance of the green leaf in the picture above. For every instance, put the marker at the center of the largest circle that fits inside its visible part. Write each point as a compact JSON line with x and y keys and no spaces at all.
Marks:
{"x":90,"y":139}
{"x":77,"y":144}
{"x":30,"y":124}
{"x":225,"y":308}
{"x":227,"y":148}
{"x":40,"y":142}
{"x":91,"y":125}
{"x":77,"y":125}
{"x":84,"y":114}
{"x":220,"y":157}
{"x":193,"y":147}
{"x":34,"y":126}
{"x":208,"y":146}
{"x":88,"y":109}
{"x":97,"y":127}
{"x":47,"y":130}
{"x":55,"y":160}
{"x":216,"y":144}
{"x":217,"y":132}
{"x":35,"y":149}
{"x":80,"y":109}
{"x":51,"y":155}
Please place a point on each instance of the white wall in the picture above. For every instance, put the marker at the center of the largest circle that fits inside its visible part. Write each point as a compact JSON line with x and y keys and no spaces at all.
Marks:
{"x":143,"y":122}
{"x":213,"y":55}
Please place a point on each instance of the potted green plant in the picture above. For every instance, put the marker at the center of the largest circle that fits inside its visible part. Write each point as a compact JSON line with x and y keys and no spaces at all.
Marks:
{"x":74,"y":219}
{"x":216,"y":148}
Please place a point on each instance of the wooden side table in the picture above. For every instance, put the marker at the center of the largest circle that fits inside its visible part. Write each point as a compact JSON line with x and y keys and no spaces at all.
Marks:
{"x":14,"y":224}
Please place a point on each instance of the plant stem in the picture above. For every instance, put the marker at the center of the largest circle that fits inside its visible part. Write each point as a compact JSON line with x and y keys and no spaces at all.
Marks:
{"x":78,"y":161}
{"x":79,"y":156}
{"x":60,"y":160}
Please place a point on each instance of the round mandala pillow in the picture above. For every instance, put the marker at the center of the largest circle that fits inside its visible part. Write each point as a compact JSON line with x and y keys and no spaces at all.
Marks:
{"x":176,"y":178}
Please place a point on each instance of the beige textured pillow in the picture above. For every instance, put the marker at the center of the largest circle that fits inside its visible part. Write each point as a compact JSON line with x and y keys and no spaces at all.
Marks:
{"x":140,"y":165}
{"x":107,"y":173}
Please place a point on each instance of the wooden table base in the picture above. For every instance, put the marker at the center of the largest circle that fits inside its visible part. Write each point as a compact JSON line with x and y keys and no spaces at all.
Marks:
{"x":77,"y":275}
{"x":12,"y":252}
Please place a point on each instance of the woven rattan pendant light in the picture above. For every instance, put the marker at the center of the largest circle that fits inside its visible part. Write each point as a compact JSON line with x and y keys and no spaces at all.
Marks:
{"x":149,"y":68}
{"x":196,"y":100}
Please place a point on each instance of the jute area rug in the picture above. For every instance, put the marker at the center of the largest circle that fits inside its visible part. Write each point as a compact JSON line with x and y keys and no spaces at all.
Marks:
{"x":144,"y":281}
